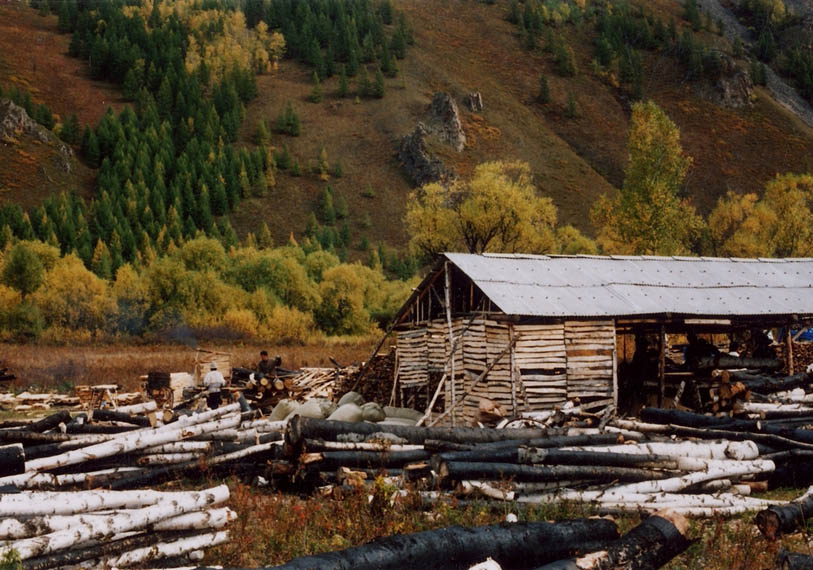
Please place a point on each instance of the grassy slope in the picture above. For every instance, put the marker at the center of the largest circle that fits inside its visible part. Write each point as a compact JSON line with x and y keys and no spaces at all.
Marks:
{"x":460,"y":47}
{"x":34,"y":57}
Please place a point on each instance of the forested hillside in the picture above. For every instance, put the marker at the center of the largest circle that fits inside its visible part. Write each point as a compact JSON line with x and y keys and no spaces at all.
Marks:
{"x":245,"y":125}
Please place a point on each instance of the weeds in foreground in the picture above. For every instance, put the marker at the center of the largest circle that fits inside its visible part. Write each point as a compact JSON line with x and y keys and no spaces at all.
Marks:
{"x":273,"y":528}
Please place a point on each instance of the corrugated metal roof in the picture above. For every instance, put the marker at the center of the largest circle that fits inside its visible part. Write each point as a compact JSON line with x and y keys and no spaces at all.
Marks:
{"x":589,"y":286}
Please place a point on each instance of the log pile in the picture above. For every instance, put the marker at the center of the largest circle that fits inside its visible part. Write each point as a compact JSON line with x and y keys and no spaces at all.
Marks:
{"x":132,"y":448}
{"x":697,"y":465}
{"x":570,"y":544}
{"x":373,"y":382}
{"x":106,"y":529}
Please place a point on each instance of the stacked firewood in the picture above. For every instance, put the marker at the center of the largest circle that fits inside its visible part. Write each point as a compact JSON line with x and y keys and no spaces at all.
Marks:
{"x":569,"y":544}
{"x":373,"y":380}
{"x":105,"y":529}
{"x":132,"y":448}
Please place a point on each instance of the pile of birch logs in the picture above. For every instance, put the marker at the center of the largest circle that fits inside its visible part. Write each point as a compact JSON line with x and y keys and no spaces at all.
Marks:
{"x":627,"y":465}
{"x":570,"y":544}
{"x":122,"y":450}
{"x":106,"y":529}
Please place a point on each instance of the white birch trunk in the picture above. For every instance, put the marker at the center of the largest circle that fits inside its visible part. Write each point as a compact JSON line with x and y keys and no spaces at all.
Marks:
{"x":739,"y":450}
{"x":143,"y":408}
{"x":167,"y":549}
{"x":131,"y":441}
{"x":167,"y":458}
{"x":13,"y":529}
{"x":39,"y":503}
{"x":34,"y":480}
{"x":100,"y":527}
{"x":204,"y":447}
{"x":265,"y":426}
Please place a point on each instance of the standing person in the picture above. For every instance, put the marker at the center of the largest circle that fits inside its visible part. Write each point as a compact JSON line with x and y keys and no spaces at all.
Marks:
{"x":265,"y":366}
{"x":214,"y":382}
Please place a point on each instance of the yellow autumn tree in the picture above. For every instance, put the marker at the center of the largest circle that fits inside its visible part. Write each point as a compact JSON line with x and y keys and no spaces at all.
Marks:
{"x":780,"y":224}
{"x":648,"y":216}
{"x":497,"y":210}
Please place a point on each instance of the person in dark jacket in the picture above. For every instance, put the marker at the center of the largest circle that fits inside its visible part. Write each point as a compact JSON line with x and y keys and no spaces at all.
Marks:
{"x":266,"y":366}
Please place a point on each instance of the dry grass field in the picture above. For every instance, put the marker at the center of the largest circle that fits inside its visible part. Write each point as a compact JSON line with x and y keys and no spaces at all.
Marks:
{"x":39,"y":367}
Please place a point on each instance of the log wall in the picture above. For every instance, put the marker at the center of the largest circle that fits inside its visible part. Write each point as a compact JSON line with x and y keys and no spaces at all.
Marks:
{"x":549,"y":365}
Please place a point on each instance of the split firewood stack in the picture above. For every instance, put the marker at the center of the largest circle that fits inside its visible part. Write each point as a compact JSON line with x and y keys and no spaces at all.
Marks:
{"x":106,"y":529}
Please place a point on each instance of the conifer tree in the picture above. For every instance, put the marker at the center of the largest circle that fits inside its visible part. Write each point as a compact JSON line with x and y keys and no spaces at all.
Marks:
{"x":327,"y":213}
{"x":544,"y":90}
{"x":264,"y":240}
{"x":378,"y":85}
{"x":316,"y":92}
{"x":101,"y":263}
{"x":344,"y":89}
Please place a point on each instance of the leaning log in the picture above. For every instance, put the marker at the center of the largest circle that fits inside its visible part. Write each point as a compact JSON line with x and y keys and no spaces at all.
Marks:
{"x":778,"y":520}
{"x":163,"y":550}
{"x":12,"y":459}
{"x":460,"y":471}
{"x":793,"y":561}
{"x":511,"y":545}
{"x":651,"y":544}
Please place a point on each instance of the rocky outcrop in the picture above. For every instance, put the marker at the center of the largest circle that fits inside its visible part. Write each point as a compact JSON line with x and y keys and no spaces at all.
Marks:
{"x":446,"y":121}
{"x":419,"y":164}
{"x":14,"y":122}
{"x":474,"y":101}
{"x":735,"y":91}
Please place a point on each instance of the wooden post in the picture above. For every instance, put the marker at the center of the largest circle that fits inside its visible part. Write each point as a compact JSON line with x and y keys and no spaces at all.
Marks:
{"x":789,"y":344}
{"x":513,"y":372}
{"x":662,"y":366}
{"x":447,"y":292}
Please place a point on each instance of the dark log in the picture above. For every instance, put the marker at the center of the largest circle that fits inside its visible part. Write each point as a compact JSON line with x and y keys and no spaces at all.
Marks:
{"x":76,"y":428}
{"x":114,"y":416}
{"x":649,"y":545}
{"x":793,"y":561}
{"x":461,"y":471}
{"x":778,"y":520}
{"x":336,"y":459}
{"x":541,"y":442}
{"x":535,"y":455}
{"x":25,"y":436}
{"x":768,"y":385}
{"x":728,"y":361}
{"x":774,"y":441}
{"x":50,"y":422}
{"x":72,"y":556}
{"x":792,"y":474}
{"x":300,"y":428}
{"x":49,"y":449}
{"x":679,"y":417}
{"x":12,"y":459}
{"x":517,"y":545}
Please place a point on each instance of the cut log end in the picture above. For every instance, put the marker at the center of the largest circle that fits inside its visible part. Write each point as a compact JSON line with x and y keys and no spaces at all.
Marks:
{"x":768,"y":523}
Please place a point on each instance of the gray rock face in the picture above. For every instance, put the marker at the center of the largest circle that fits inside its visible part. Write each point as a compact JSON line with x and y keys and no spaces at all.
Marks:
{"x":422,"y":167}
{"x":14,"y":121}
{"x":736,"y":90}
{"x":474,"y":101}
{"x":446,"y":119}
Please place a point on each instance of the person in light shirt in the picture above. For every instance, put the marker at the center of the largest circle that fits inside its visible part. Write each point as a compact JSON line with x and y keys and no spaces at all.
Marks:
{"x":214,"y":382}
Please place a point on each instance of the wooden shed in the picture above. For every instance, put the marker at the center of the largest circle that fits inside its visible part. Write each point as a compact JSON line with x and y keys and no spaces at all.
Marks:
{"x":533,"y":332}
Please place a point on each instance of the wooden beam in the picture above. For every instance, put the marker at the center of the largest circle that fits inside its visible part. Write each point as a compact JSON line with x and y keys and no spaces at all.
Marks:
{"x":447,"y":292}
{"x":477,"y":380}
{"x":662,"y":366}
{"x":789,"y":344}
